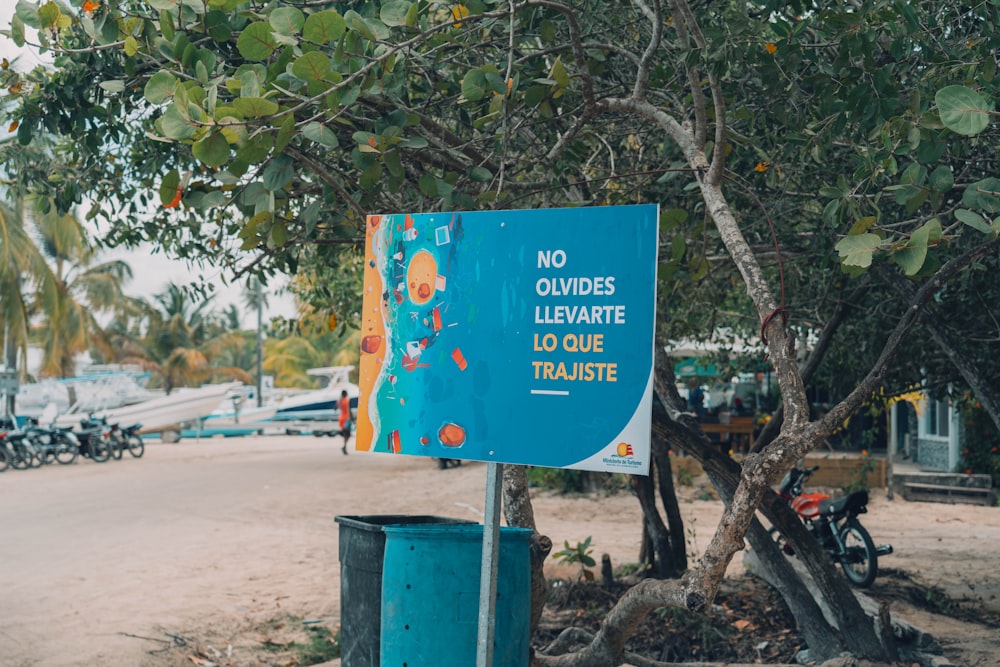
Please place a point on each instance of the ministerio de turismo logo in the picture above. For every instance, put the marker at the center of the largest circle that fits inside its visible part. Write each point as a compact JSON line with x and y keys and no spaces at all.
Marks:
{"x":623,"y":458}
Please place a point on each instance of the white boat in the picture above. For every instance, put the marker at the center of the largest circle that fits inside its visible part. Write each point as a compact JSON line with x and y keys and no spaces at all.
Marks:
{"x":165,"y":413}
{"x":320,"y":404}
{"x":84,"y":393}
{"x":236,"y":412}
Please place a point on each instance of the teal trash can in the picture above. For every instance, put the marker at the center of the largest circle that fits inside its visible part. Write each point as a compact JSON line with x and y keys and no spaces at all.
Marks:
{"x":430,"y":596}
{"x":361,"y":550}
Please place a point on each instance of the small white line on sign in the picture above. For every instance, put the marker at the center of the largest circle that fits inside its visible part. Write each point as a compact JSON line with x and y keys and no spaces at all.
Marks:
{"x":550,"y":392}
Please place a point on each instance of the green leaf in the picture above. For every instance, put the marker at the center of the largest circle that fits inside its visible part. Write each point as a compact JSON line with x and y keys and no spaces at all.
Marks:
{"x":371,"y":176}
{"x":279,"y":173}
{"x":285,"y":133}
{"x":535,"y":94}
{"x":963,"y":110}
{"x":49,"y":15}
{"x":257,"y":42}
{"x":983,"y":195}
{"x":369,"y":28}
{"x":474,"y":85}
{"x":312,"y":66}
{"x":395,"y":12}
{"x":217,"y":25}
{"x":974,"y":220}
{"x":915,"y":174}
{"x":394,"y":163}
{"x":24,"y":134}
{"x":428,"y":185}
{"x":255,"y":107}
{"x":321,"y":134}
{"x":17,"y":31}
{"x":114,"y":86}
{"x":415,"y":141}
{"x":256,"y":149}
{"x":942,"y":179}
{"x":160,"y":87}
{"x":559,"y":74}
{"x":168,"y":186}
{"x":287,"y":20}
{"x":480,"y":174}
{"x":862,"y":225}
{"x":279,"y":234}
{"x":212,"y":150}
{"x":858,"y":250}
{"x":324,"y":27}
{"x":175,"y":126}
{"x":131,"y":46}
{"x":911,"y":258}
{"x":672,"y":217}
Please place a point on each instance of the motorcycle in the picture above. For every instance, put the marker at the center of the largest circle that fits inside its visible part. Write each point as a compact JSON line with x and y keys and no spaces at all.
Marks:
{"x":136,"y":447}
{"x":51,"y":443}
{"x":94,"y":440}
{"x":834,"y":523}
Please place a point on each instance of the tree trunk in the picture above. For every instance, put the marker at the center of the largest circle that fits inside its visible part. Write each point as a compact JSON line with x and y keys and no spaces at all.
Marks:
{"x":668,"y":496}
{"x":519,"y":513}
{"x":725,"y":475}
{"x":645,"y":489}
{"x":824,"y":643}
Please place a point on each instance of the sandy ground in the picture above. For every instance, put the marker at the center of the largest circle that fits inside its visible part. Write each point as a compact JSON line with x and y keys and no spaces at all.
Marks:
{"x":108,"y":564}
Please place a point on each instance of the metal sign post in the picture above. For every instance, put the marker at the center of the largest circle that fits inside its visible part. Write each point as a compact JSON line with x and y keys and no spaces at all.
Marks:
{"x":488,"y":573}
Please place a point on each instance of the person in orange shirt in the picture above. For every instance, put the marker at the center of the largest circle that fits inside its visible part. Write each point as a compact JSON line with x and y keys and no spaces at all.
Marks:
{"x":344,"y":407}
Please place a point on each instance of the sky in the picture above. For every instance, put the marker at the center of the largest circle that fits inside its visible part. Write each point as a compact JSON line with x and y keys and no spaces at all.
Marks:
{"x":152,"y":271}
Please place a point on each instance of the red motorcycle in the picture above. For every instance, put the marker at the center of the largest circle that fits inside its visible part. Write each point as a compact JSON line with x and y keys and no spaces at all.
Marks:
{"x":834,"y":523}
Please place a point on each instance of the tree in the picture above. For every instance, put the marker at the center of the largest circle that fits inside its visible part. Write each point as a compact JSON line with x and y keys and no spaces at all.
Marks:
{"x":20,"y":259}
{"x":182,"y":339}
{"x":83,"y":290}
{"x":266,"y":134}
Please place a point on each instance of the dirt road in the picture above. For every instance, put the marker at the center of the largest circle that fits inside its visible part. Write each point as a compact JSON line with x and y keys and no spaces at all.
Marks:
{"x":209,"y":532}
{"x":103,"y":564}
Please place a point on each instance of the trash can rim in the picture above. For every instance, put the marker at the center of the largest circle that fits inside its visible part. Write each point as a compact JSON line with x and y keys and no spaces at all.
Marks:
{"x":375,"y":522}
{"x":473,"y":530}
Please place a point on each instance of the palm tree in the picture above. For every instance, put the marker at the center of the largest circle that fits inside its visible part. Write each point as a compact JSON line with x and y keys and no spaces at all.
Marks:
{"x":288,"y":359}
{"x":184,"y":337}
{"x":80,"y":291}
{"x":26,"y":281}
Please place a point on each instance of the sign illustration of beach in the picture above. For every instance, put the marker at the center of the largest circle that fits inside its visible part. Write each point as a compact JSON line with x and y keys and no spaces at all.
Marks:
{"x":511,"y":336}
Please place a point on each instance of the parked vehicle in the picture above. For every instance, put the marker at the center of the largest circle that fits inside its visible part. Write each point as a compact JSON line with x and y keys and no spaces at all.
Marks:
{"x":52,"y":444}
{"x":834,"y":523}
{"x":136,"y":447}
{"x":95,"y":440}
{"x":20,"y":450}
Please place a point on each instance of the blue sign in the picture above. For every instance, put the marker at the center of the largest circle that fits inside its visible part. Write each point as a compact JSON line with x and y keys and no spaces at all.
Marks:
{"x":511,"y":336}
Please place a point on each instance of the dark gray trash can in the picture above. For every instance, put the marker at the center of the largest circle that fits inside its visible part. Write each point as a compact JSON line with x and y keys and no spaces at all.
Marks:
{"x":361,"y":553}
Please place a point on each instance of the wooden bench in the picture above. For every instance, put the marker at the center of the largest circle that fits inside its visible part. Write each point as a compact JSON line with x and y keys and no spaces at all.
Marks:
{"x":943,"y":493}
{"x":738,"y":432}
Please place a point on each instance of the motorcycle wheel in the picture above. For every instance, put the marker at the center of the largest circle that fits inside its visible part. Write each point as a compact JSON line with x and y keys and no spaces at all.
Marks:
{"x":20,"y":457}
{"x":136,"y":447}
{"x":4,"y":461}
{"x":100,"y":450}
{"x":35,"y":456}
{"x":860,"y":562}
{"x":66,"y":452}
